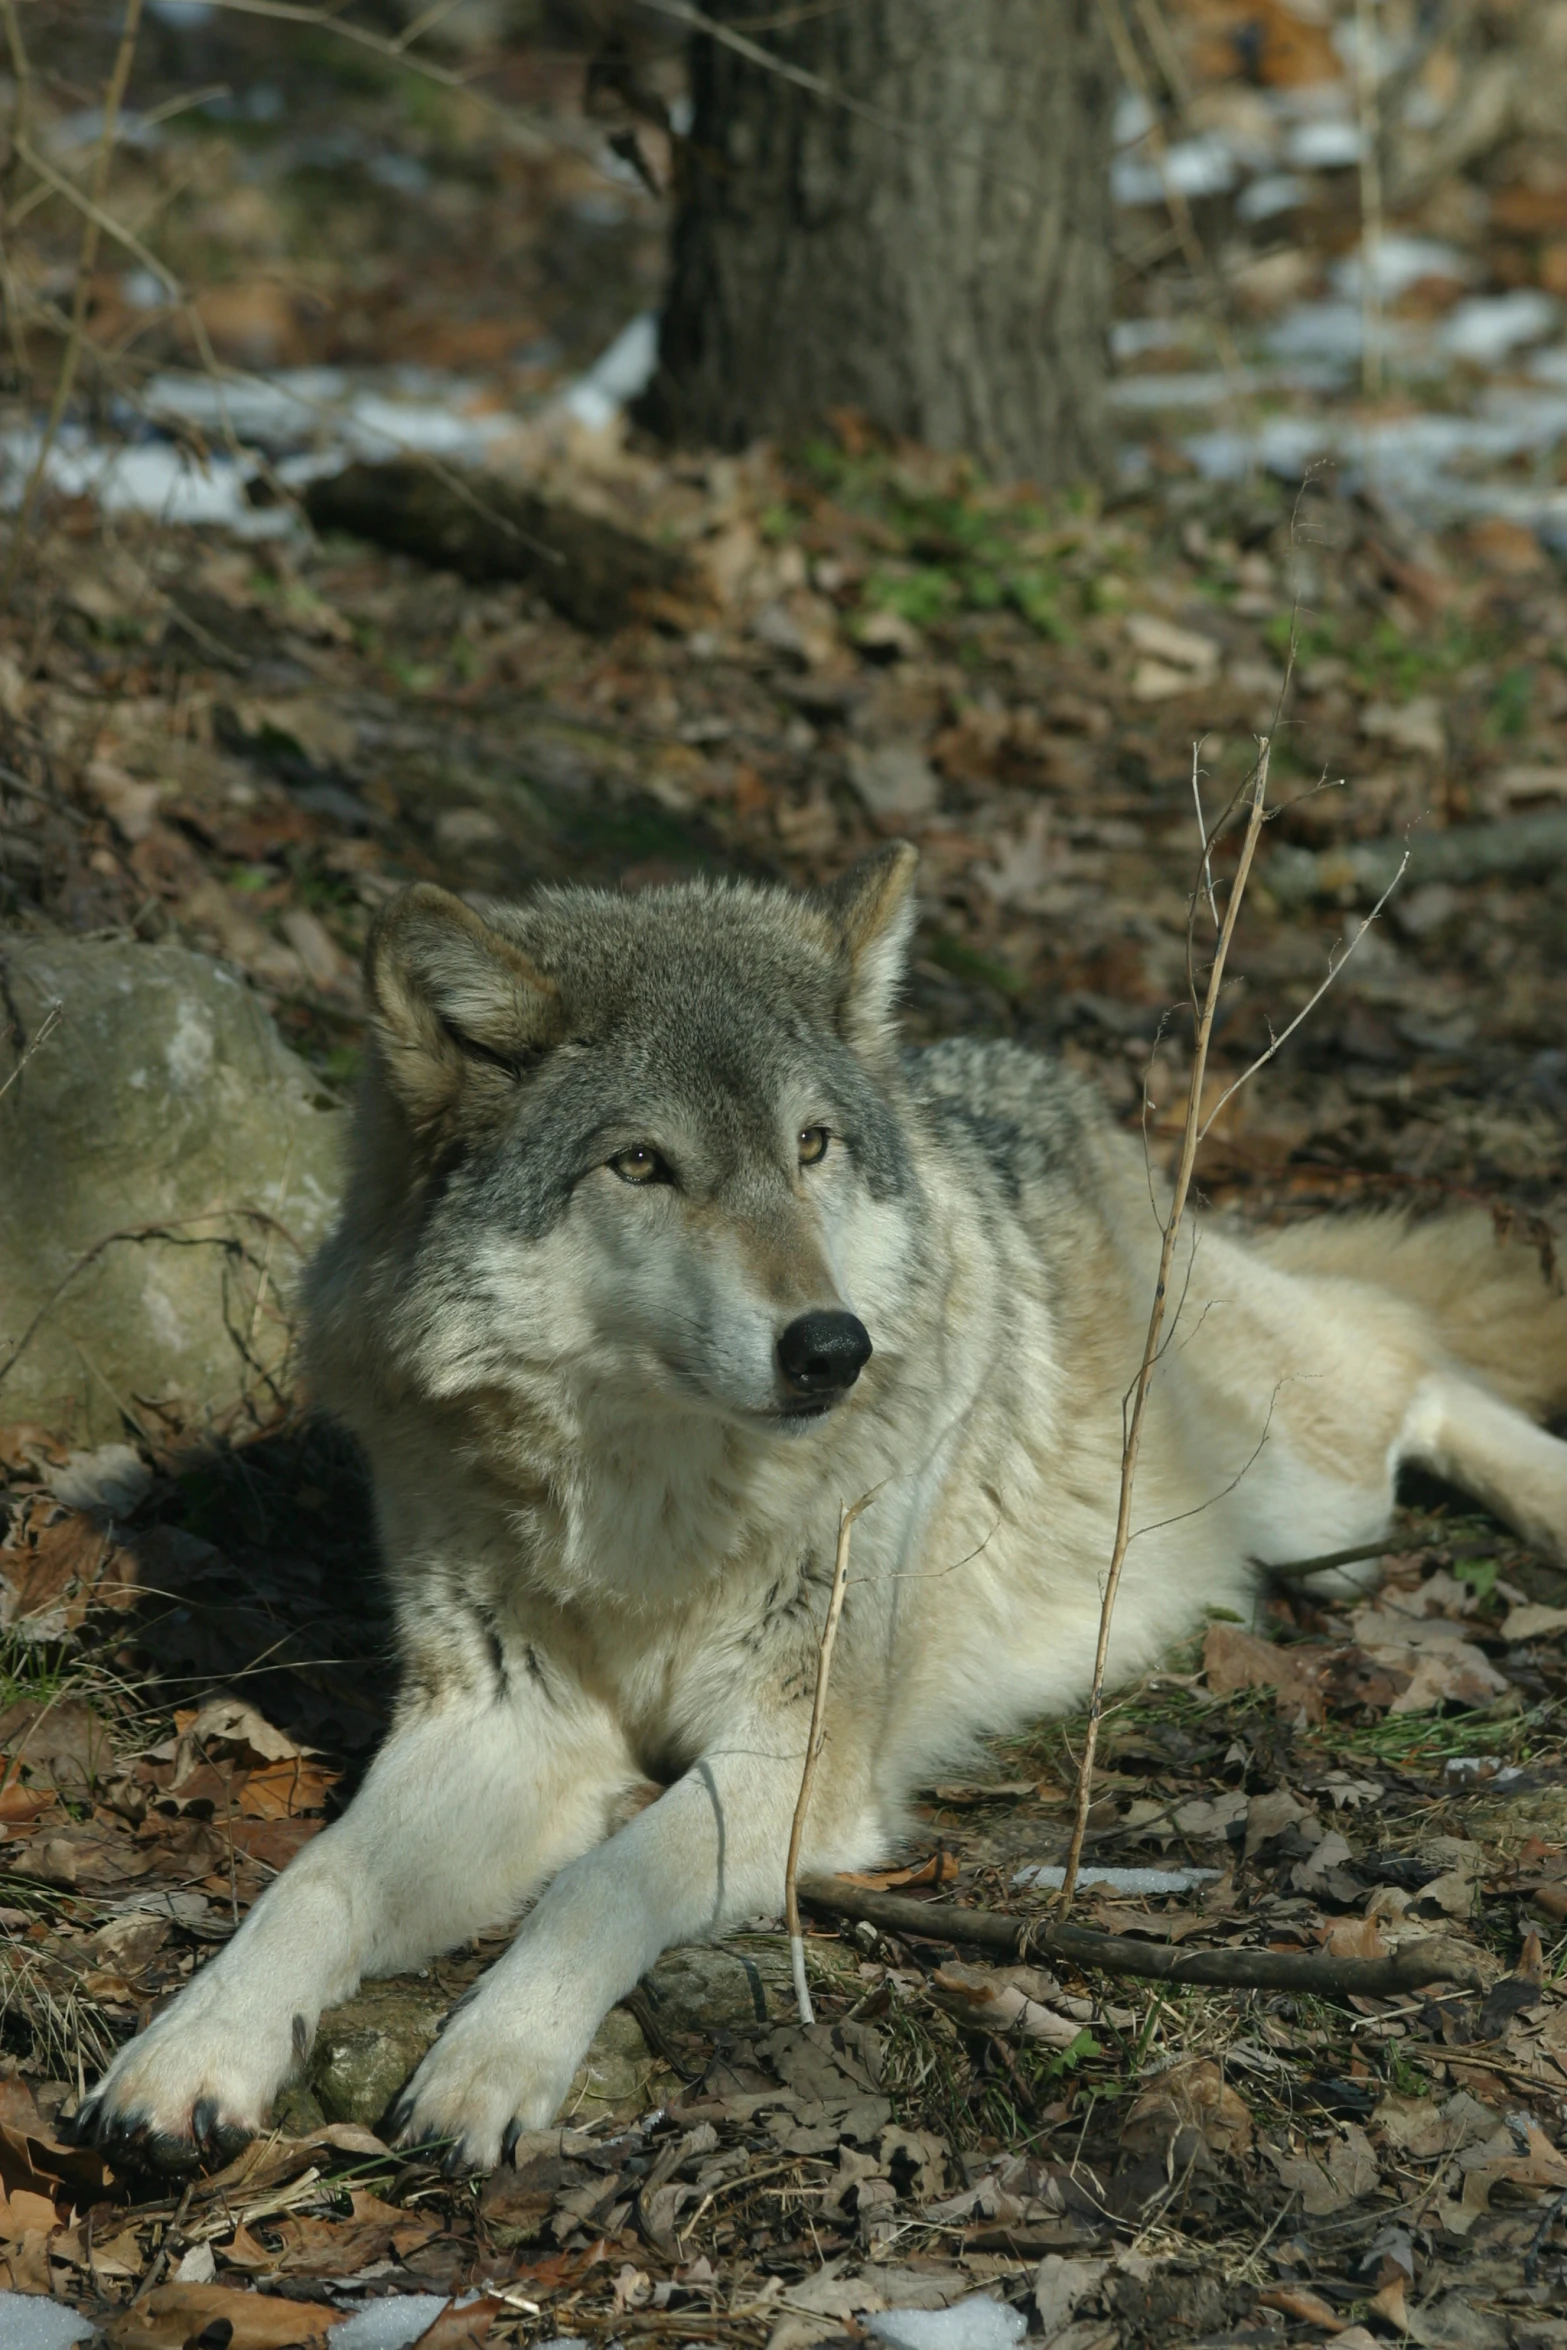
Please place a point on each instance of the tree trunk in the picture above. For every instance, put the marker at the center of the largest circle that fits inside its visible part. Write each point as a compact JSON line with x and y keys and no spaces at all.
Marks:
{"x":944,"y":268}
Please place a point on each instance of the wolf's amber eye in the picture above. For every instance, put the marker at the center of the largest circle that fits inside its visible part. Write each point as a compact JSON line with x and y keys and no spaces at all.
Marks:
{"x":813,"y":1145}
{"x":640,"y":1165}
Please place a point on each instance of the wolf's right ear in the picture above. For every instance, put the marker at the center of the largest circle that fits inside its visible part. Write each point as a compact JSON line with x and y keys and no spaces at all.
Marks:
{"x":454,"y":1002}
{"x":873,"y":909}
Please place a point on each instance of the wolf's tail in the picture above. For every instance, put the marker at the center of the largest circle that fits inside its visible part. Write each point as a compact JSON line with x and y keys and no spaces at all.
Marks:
{"x":1499,"y":1301}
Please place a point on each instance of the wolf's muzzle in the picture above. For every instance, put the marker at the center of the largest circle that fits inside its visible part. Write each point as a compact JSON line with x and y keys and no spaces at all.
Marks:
{"x":822,"y":1354}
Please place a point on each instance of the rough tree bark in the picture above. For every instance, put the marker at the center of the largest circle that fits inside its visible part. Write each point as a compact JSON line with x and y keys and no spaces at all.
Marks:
{"x":943,"y":269}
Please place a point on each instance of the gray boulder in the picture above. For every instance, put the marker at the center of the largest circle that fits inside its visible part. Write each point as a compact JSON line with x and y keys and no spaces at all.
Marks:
{"x":166,"y":1164}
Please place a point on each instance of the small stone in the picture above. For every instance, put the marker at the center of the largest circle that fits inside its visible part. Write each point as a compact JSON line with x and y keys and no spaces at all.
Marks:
{"x":366,"y":2049}
{"x":894,"y":779}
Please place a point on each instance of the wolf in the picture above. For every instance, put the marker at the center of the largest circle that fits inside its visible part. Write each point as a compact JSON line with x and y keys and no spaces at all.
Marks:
{"x":656,"y":1251}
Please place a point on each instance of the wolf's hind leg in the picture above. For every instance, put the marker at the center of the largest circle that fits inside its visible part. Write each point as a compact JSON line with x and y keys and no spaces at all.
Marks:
{"x":1466,"y":1434}
{"x":467,"y":1806}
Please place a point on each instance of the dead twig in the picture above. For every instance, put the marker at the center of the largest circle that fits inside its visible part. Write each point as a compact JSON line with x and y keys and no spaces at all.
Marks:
{"x":1191,"y":1134}
{"x":1179,"y":209}
{"x":1022,"y":1939}
{"x":86,"y":260}
{"x":1277,"y":1043}
{"x":46,"y":1028}
{"x":171,"y":1231}
{"x":1368,"y":107}
{"x":847,"y":1514}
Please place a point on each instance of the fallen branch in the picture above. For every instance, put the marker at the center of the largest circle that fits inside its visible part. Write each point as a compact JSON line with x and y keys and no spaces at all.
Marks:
{"x":594,"y":573}
{"x":1464,"y":853}
{"x":1191,"y":1134}
{"x":1023,"y":1939}
{"x":1298,"y":1570}
{"x":847,"y":1514}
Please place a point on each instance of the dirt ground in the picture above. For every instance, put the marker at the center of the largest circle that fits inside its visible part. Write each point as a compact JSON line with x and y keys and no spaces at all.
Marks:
{"x":246,"y":744}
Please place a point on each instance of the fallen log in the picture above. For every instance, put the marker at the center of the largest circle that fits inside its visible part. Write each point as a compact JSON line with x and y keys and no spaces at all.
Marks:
{"x":592,"y":572}
{"x":1464,"y":853}
{"x":1022,"y":1939}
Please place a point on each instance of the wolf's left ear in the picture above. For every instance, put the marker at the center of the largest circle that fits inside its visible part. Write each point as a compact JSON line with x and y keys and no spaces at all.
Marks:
{"x":873,"y":909}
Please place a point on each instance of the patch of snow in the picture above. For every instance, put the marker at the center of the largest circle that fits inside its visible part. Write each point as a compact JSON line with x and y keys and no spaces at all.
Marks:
{"x":1136,"y":1882}
{"x":1327,"y":145}
{"x":1398,"y":262}
{"x":113,"y":1479}
{"x":615,"y":378}
{"x":979,"y":2323}
{"x":1488,"y":327}
{"x":31,"y":2321}
{"x":1274,"y":192}
{"x":391,"y":2323}
{"x":1206,"y":166}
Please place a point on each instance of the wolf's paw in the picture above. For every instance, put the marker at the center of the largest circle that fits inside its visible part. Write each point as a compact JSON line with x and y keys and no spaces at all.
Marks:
{"x":183,"y":2094}
{"x":481,"y":2085}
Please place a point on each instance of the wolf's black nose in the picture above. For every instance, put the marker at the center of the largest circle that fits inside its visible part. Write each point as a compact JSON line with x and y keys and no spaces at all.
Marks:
{"x":822,"y":1354}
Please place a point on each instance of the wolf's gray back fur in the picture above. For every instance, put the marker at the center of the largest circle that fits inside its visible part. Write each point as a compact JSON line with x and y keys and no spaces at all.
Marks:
{"x":657,"y":1252}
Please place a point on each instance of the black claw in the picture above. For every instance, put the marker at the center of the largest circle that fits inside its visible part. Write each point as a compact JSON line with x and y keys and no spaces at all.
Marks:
{"x":509,"y":2142}
{"x":122,"y":2134}
{"x":204,"y":2120}
{"x":455,"y":2163}
{"x":162,"y":2152}
{"x":401,"y":2114}
{"x":82,"y":2127}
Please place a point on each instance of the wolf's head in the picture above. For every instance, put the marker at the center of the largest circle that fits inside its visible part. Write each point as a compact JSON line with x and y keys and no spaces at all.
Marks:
{"x":649,"y":1148}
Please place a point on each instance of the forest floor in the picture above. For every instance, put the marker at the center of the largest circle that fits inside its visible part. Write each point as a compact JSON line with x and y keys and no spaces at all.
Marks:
{"x":247,"y":748}
{"x":246,"y":743}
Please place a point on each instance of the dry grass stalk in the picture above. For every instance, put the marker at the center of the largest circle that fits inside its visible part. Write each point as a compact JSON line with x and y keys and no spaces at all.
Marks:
{"x":1194,"y":252}
{"x":1368,"y":108}
{"x":1190,"y":1136}
{"x":847,"y":1513}
{"x":86,"y":261}
{"x":46,"y":1028}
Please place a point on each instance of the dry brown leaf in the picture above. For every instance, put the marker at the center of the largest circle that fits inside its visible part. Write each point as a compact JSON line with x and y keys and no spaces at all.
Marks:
{"x":1388,"y":2304}
{"x":37,"y":2162}
{"x":973,"y":1791}
{"x":1442,"y":1666}
{"x":1498,"y":2163}
{"x":1233,"y":1660}
{"x":983,"y":1996}
{"x":1354,"y":1938}
{"x":20,"y":1806}
{"x":51,"y":1571}
{"x":1061,"y":2286}
{"x":1190,"y":2103}
{"x":24,"y":2266}
{"x":24,"y":2213}
{"x":458,"y":2328}
{"x":232,"y":1723}
{"x":1336,"y":2172}
{"x":173,"y":2315}
{"x":939,"y":1869}
{"x":286,"y":1789}
{"x":273,"y":1841}
{"x":18,"y":2106}
{"x":1301,"y":2303}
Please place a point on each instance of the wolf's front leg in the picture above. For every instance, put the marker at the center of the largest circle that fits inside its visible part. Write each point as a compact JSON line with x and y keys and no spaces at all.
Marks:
{"x":469,"y":1803}
{"x":708,"y":1853}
